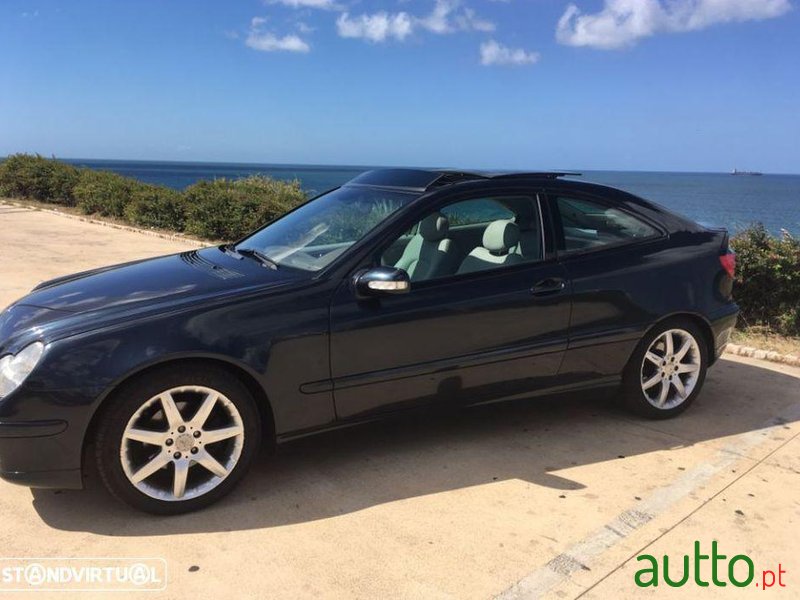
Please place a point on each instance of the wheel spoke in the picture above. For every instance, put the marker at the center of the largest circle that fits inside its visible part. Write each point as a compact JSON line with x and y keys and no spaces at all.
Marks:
{"x":652,"y":381}
{"x":683,"y":350}
{"x":676,"y":381}
{"x":171,"y":412}
{"x":156,"y":438}
{"x":160,"y":444}
{"x":654,"y":358}
{"x":669,"y":345}
{"x":662,"y":397}
{"x":181,"y":475}
{"x":209,"y":462}
{"x":161,"y":459}
{"x":688,"y":368}
{"x":217,"y":435}
{"x":201,"y":416}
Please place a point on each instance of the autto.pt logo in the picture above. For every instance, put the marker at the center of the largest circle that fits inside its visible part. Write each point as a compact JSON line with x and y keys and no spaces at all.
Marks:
{"x":707,"y":569}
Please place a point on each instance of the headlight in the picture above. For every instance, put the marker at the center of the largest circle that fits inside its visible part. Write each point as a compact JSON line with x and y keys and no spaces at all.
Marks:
{"x":14,"y":368}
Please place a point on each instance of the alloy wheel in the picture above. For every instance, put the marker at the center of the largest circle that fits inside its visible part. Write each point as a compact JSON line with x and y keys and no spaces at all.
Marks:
{"x":182,"y":443}
{"x":670,"y":369}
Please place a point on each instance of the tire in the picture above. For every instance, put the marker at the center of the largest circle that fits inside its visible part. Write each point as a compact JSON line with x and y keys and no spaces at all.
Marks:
{"x":139,"y":428}
{"x":651,"y":367}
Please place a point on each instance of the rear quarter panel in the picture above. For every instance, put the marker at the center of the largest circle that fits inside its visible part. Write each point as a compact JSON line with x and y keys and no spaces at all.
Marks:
{"x":619,"y":293}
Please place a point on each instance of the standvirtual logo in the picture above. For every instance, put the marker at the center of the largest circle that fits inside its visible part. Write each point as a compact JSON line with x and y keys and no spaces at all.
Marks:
{"x":739,"y":571}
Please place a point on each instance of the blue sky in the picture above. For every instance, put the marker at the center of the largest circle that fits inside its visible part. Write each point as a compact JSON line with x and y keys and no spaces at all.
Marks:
{"x":589,"y":84}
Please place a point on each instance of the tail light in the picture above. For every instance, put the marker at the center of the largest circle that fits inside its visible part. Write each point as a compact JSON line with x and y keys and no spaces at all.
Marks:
{"x":728,"y":262}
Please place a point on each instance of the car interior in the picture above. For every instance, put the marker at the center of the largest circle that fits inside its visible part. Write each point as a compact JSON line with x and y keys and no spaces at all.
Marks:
{"x":469,"y":236}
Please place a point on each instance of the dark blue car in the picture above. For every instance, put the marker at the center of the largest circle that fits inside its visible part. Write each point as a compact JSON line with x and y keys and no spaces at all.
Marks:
{"x":400,"y":289}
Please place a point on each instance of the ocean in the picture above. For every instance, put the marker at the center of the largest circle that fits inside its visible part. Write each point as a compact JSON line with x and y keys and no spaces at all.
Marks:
{"x":718,"y":199}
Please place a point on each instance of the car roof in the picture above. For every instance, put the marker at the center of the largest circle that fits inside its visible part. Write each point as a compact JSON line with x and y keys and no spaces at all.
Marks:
{"x":429,"y":181}
{"x":424,"y":180}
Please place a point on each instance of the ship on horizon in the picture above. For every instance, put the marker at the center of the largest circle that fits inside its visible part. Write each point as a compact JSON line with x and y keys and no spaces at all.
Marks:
{"x":738,"y":172}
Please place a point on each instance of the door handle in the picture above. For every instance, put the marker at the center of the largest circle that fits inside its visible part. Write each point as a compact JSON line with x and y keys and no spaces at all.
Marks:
{"x":549,"y":286}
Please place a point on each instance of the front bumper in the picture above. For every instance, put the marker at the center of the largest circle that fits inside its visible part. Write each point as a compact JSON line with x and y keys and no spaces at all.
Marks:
{"x":30,"y":449}
{"x":42,"y":435}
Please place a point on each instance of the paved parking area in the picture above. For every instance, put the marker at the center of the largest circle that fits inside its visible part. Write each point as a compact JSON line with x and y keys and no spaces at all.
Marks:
{"x":552,"y":498}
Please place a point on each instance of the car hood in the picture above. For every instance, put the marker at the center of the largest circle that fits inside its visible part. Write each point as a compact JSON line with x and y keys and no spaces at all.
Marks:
{"x":173,"y":277}
{"x":82,"y":301}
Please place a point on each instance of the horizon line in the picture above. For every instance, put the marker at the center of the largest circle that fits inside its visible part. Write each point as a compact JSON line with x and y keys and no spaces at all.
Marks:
{"x":368,"y":167}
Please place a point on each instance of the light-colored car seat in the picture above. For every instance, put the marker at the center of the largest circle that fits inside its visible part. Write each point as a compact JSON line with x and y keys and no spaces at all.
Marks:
{"x":498,"y":240}
{"x":430,"y":253}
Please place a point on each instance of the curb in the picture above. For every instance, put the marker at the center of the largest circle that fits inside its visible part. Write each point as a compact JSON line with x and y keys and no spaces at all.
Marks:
{"x":173,"y":237}
{"x":776,"y":357}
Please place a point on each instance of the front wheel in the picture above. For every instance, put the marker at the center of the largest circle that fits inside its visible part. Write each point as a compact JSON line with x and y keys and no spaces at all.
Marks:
{"x":177,"y":439}
{"x":667,"y":370}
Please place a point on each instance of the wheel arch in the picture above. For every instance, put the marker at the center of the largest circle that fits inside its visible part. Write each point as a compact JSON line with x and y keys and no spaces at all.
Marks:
{"x":241,"y":374}
{"x":702,"y":323}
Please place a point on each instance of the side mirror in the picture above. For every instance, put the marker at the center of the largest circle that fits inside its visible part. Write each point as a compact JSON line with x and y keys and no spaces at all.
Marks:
{"x":382,"y":281}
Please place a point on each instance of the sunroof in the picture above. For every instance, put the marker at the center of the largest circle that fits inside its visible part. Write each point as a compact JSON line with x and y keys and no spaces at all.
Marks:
{"x":406,"y":178}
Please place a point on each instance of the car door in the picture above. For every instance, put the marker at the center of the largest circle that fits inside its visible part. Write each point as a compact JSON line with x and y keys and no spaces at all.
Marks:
{"x":461,"y":338}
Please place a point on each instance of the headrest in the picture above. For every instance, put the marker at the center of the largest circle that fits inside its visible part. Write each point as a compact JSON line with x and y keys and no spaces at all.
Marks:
{"x":434,"y":227}
{"x":500,"y":236}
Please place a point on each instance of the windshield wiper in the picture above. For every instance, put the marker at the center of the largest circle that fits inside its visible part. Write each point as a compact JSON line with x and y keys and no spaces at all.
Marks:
{"x":259,"y":256}
{"x":230,"y":250}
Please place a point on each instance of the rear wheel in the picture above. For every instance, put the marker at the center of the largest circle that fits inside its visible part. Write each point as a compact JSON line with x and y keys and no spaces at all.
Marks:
{"x":177,"y":439}
{"x":667,"y":370}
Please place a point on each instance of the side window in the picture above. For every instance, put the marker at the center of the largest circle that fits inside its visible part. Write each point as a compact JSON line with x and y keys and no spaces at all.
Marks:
{"x":588,"y":224}
{"x":471,"y":212}
{"x":468,"y":236}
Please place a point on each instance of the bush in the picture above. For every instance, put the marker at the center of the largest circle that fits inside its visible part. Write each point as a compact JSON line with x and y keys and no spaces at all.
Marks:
{"x":156,"y":206}
{"x":228,"y":209}
{"x":767,"y":285}
{"x":34,"y":177}
{"x":104,"y":193}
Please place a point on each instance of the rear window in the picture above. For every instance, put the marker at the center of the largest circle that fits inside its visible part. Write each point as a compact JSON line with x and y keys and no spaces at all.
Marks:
{"x":587,"y":224}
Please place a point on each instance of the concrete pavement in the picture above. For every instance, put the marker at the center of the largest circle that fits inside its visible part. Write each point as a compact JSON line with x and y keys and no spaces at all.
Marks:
{"x":552,"y":498}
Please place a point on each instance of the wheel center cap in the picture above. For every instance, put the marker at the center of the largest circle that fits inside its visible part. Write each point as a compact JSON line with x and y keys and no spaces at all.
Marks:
{"x":184,"y":442}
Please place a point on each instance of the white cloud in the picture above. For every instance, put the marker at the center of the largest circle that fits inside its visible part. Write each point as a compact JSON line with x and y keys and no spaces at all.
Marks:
{"x":267,"y":41}
{"x":304,"y":27}
{"x":494,"y":54}
{"x":439,"y":19}
{"x":321,"y":4}
{"x":377,"y":27}
{"x":624,"y":22}
{"x":382,"y":26}
{"x":444,"y":18}
{"x":469,"y":21}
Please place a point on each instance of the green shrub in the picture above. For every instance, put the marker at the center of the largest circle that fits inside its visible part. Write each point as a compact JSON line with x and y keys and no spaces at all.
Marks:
{"x":104,"y":193}
{"x":228,"y":209}
{"x":156,"y":206}
{"x":32,"y":176}
{"x":767,"y":285}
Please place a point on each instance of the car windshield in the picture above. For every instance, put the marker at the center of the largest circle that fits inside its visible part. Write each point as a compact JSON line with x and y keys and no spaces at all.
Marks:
{"x":313,"y":235}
